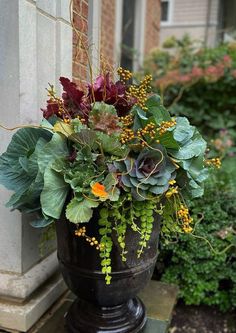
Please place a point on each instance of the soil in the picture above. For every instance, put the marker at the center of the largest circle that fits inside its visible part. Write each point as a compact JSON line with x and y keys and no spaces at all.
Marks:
{"x":201,"y":319}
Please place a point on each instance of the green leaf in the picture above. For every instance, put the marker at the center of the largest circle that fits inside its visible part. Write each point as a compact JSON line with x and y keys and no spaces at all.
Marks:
{"x":57,"y":147}
{"x":157,"y":110}
{"x":110,"y":181}
{"x":111,"y":145}
{"x":104,"y":118}
{"x":85,"y":137}
{"x":77,"y":125}
{"x":168,"y":141}
{"x":183,"y":131}
{"x":46,"y":125}
{"x":192,"y":148}
{"x":114,"y":194}
{"x":14,"y":175}
{"x":54,"y":193}
{"x":80,"y":211}
{"x":63,"y":128}
{"x":41,"y":223}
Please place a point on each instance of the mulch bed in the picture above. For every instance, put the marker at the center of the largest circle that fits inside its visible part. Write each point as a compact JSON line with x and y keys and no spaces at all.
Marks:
{"x":201,"y":319}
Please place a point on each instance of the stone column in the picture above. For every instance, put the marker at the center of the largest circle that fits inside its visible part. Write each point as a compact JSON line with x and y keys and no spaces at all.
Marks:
{"x":35,"y":48}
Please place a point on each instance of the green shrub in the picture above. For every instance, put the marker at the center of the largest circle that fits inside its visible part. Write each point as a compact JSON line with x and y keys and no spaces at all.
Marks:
{"x":198,"y":83}
{"x":203,"y":275}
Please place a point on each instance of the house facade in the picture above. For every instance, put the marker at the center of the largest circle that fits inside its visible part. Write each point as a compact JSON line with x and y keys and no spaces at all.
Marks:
{"x":197,"y":18}
{"x":209,"y":21}
{"x":37,"y":46}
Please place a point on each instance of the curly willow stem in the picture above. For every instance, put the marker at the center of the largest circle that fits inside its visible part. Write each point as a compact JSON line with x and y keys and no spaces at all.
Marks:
{"x":83,"y":45}
{"x":211,"y":247}
{"x":25,"y":126}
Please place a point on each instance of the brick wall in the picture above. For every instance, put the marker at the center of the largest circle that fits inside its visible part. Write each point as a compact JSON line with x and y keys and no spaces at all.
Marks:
{"x":80,"y":19}
{"x":152,"y":32}
{"x":108,"y":22}
{"x":108,"y":32}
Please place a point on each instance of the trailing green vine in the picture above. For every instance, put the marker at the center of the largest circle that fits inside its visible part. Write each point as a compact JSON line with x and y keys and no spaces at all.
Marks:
{"x":120,"y":228}
{"x":105,"y":231}
{"x":125,"y":213}
{"x":145,"y":211}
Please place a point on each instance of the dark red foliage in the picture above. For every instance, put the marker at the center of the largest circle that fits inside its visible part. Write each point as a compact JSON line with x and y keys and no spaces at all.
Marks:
{"x":52,"y":108}
{"x":71,"y":92}
{"x":77,"y":103}
{"x":103,"y":89}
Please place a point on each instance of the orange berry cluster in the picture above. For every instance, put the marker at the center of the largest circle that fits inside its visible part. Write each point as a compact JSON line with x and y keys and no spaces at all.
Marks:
{"x":124,"y":74}
{"x":149,"y":129}
{"x":83,"y":121}
{"x":183,"y":214}
{"x":53,"y":98}
{"x":172,"y":190}
{"x":165,"y":125}
{"x":127,"y":120}
{"x":81,"y":232}
{"x":215,"y":162}
{"x":127,"y":135}
{"x":140,"y":92}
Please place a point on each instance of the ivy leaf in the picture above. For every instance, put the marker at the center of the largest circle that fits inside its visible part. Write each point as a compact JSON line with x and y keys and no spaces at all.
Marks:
{"x":111,"y":145}
{"x":85,"y":137}
{"x":114,"y":194}
{"x":110,"y":184}
{"x":77,"y":125}
{"x":54,"y":193}
{"x":80,"y":211}
{"x":110,"y":181}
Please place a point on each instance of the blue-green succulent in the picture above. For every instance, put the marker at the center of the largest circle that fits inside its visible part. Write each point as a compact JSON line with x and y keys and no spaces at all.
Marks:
{"x":148,"y":174}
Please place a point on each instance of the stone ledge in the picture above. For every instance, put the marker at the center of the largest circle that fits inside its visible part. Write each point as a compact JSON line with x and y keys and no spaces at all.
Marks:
{"x":19,"y":287}
{"x":21,"y":317}
{"x":159,"y":298}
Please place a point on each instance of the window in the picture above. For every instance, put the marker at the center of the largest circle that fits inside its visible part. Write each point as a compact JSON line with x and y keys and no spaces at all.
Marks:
{"x":130,"y":33}
{"x":166,"y":11}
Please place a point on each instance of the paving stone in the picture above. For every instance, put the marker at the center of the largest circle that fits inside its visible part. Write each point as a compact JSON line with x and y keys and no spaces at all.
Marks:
{"x":158,"y":297}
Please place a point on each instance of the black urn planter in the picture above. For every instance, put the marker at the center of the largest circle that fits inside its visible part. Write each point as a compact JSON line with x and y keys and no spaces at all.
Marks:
{"x":99,"y":308}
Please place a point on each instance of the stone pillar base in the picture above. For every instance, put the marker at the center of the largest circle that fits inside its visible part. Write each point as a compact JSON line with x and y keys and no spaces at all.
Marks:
{"x":15,"y":317}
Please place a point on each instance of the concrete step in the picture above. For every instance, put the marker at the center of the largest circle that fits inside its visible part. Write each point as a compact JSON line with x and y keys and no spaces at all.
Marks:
{"x":158,"y":297}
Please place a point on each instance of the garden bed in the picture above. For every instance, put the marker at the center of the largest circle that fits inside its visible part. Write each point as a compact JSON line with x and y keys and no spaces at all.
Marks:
{"x":202,"y":319}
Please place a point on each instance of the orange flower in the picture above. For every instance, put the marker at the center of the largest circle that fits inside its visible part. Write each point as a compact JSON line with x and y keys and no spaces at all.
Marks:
{"x":99,"y":190}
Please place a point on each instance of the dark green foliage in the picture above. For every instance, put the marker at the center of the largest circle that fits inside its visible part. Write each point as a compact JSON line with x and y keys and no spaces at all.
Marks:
{"x":207,"y":276}
{"x":197,"y":83}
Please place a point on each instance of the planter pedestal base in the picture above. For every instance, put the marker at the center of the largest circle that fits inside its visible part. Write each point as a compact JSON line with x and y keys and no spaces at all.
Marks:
{"x":84,"y":317}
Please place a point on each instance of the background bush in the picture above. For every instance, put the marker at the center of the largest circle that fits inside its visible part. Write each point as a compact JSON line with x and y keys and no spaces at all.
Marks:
{"x":198,"y":83}
{"x":204,"y":276}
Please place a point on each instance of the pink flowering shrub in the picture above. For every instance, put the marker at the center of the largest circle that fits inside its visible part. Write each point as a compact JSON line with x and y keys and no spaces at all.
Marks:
{"x":197,"y":83}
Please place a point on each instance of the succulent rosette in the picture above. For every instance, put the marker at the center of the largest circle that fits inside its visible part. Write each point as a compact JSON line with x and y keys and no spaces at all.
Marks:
{"x":148,"y":174}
